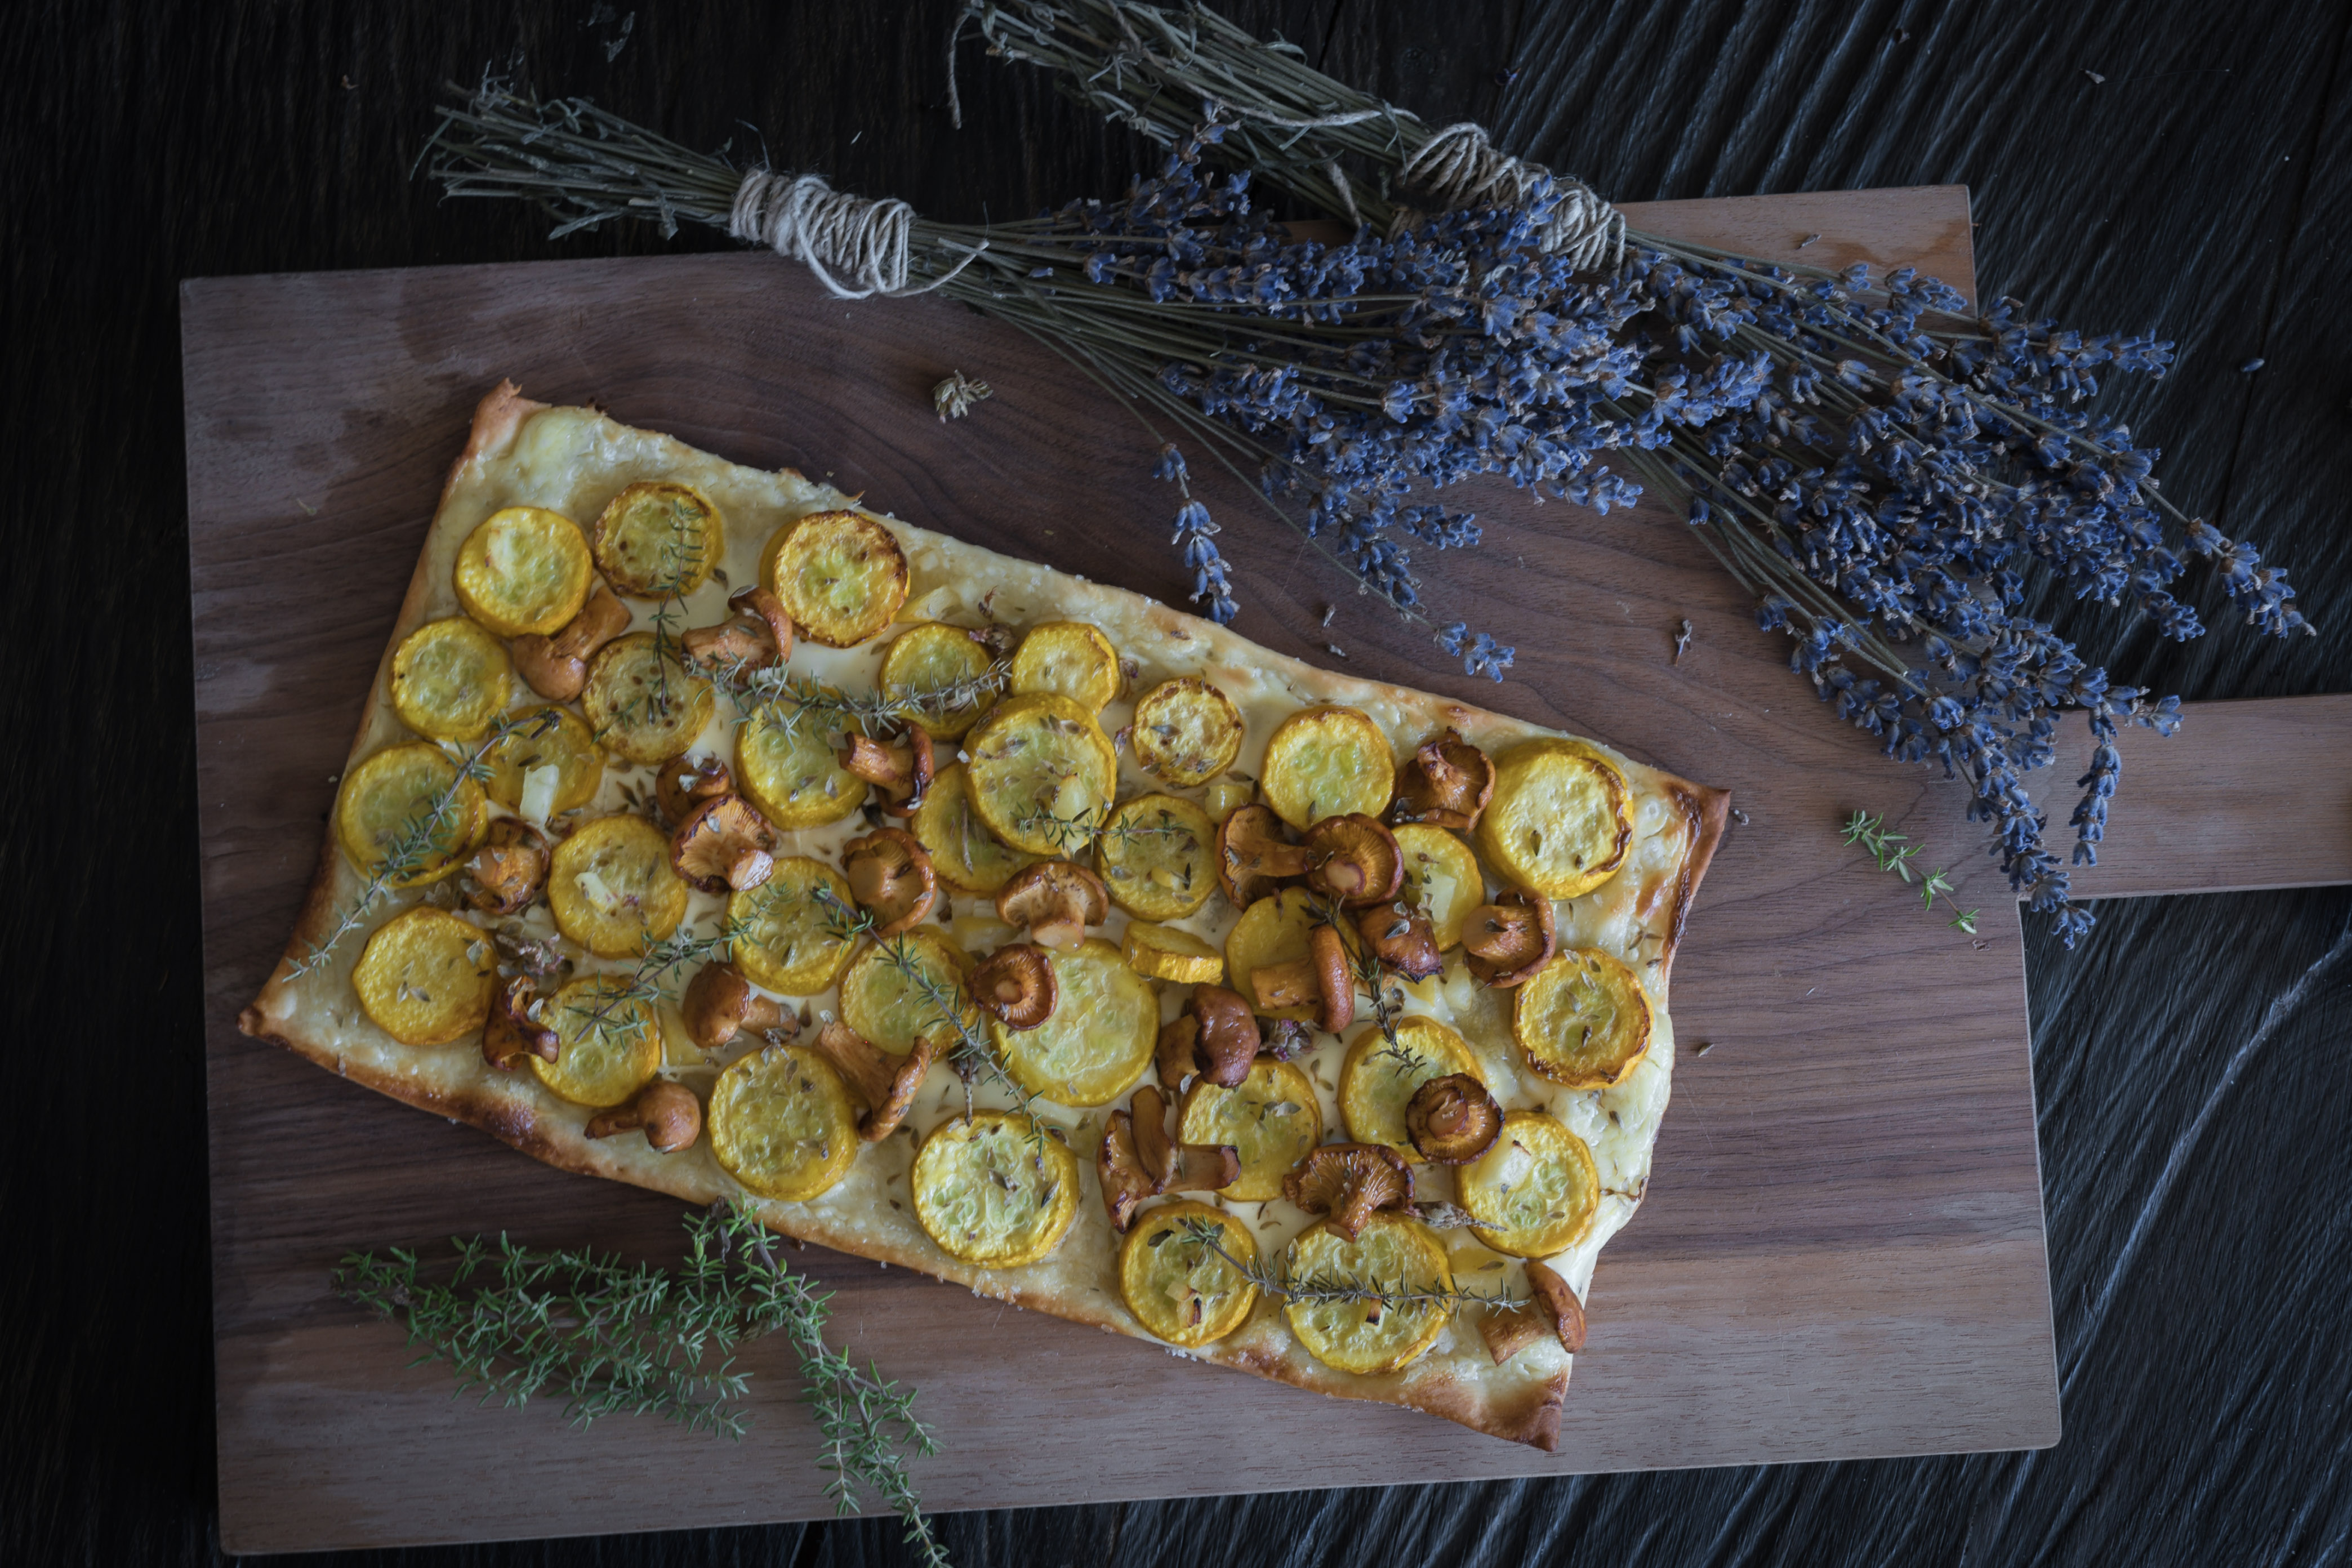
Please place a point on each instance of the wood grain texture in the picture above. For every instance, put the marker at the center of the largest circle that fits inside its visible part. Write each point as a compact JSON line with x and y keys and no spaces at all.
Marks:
{"x":1817,"y":1272}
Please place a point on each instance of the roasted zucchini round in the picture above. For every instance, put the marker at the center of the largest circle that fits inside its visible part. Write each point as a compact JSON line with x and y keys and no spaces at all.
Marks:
{"x":524,"y":569}
{"x":1441,"y":879}
{"x":840,"y":575}
{"x":782,"y":1123}
{"x":409,"y":797}
{"x":1186,"y":730}
{"x":1178,"y":1288}
{"x":967,"y":856}
{"x":1561,"y":817}
{"x":1326,"y":761}
{"x":641,"y":702}
{"x":608,"y":1044}
{"x":565,"y":745}
{"x":1040,"y":767}
{"x":426,"y":977}
{"x":1272,"y":1119}
{"x":1377,"y":1079}
{"x":1068,"y":659}
{"x":1157,"y":855}
{"x":1534,"y":1193}
{"x":793,"y":775}
{"x":995,"y":1189}
{"x":906,"y":985}
{"x":1582,"y":1019}
{"x":1369,"y":1336}
{"x":1100,"y":1037}
{"x":450,"y":680}
{"x":611,"y":888}
{"x":657,"y":540}
{"x":785,"y":939}
{"x":940,"y":673}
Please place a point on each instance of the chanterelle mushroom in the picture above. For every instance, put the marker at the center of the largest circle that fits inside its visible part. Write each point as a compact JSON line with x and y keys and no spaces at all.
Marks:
{"x":557,"y":667}
{"x":1453,"y":1120}
{"x":1320,"y":981}
{"x":719,"y":1003}
{"x":1552,"y":1306}
{"x":1136,"y":1159}
{"x":511,"y":1032}
{"x":1402,"y":937}
{"x":887,"y":1083}
{"x":670,"y":1115}
{"x":891,"y":878}
{"x":1445,"y":784}
{"x":1504,"y":943}
{"x":1354,"y":859}
{"x":1016,"y":983}
{"x":1254,"y":854}
{"x":682,"y":786}
{"x":1056,"y":900}
{"x":900,"y":770}
{"x":757,"y":634}
{"x":1215,"y":1038}
{"x":724,"y":844}
{"x":506,"y":874}
{"x":1348,"y":1181}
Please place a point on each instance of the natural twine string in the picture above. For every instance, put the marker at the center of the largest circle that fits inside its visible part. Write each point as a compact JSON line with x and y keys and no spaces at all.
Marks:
{"x":1462,"y":169}
{"x":835,"y":234}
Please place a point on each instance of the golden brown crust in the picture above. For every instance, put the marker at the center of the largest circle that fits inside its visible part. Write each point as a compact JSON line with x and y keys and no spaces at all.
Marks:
{"x":1524,"y":1406}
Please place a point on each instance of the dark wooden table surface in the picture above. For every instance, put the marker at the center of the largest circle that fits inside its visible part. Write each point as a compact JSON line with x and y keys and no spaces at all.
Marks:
{"x":2171,"y":164}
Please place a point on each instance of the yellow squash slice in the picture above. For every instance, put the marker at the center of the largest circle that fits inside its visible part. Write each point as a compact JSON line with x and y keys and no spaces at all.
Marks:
{"x":524,"y":571}
{"x":1369,"y":1336}
{"x":1186,"y":730}
{"x":1326,"y":761}
{"x":608,"y":1044}
{"x":941,"y":674}
{"x":1177,"y":1288}
{"x":1157,"y":857}
{"x":450,"y":680}
{"x":1534,"y":1193}
{"x":565,"y":745}
{"x":1040,"y":762}
{"x":426,"y":977}
{"x":641,"y":703}
{"x":1272,"y":1119}
{"x":1561,"y":817}
{"x":409,"y":798}
{"x":840,"y":575}
{"x":1441,"y":879}
{"x":657,"y":540}
{"x":1377,"y":1079}
{"x":782,"y":1123}
{"x":1582,"y":1020}
{"x":1164,"y":953}
{"x":1068,"y":659}
{"x":882,"y":1000}
{"x":791,"y":772}
{"x":785,"y":940}
{"x":995,"y":1189}
{"x":1274,"y":929}
{"x":967,"y":856}
{"x":1100,"y":1037}
{"x":611,"y":889}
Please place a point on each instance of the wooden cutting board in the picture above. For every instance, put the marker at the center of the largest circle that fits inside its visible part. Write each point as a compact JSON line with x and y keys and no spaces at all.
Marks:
{"x":1842,"y":1253}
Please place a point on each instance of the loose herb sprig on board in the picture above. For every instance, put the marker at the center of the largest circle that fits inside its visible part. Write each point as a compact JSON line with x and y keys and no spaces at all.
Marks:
{"x":417,"y":841}
{"x":610,"y":1337}
{"x":1325,"y":1289}
{"x":1893,"y":851}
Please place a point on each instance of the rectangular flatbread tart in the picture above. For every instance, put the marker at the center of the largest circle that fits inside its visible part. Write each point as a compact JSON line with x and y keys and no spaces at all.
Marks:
{"x":710,"y":830}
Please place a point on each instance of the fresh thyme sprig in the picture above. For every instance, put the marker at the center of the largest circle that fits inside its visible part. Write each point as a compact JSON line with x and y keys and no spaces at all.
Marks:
{"x":417,"y":839}
{"x":1893,"y":851}
{"x":785,"y":701}
{"x":1085,"y":828}
{"x":644,"y":984}
{"x":1364,"y":965}
{"x":1325,"y":1289}
{"x":611,"y":1338}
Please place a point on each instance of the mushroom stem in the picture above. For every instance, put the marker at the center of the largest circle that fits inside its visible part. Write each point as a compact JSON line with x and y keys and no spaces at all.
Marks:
{"x":670,"y":1115}
{"x":557,"y":667}
{"x":1321,"y":980}
{"x":510,"y":1033}
{"x":1551,"y":1305}
{"x":885,"y":1083}
{"x":900,"y":769}
{"x":719,"y":1003}
{"x":1292,"y":984}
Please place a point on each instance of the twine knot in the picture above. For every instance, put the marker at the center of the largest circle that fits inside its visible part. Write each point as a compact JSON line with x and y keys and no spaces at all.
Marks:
{"x":857,"y":247}
{"x":1462,"y":169}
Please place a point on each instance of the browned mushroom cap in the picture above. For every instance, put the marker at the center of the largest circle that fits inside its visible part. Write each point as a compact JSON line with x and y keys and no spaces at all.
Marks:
{"x":887,"y":1083}
{"x":557,"y":667}
{"x":900,"y":770}
{"x":670,"y":1115}
{"x":1056,"y":900}
{"x":756,"y":635}
{"x":1016,"y":983}
{"x":1504,"y":943}
{"x":682,"y":786}
{"x":890,"y":877}
{"x":1453,"y":1120}
{"x":1402,"y":937}
{"x":719,"y":1003}
{"x":1319,"y":981}
{"x":724,"y":844}
{"x":1354,"y":859}
{"x":1348,"y":1181}
{"x":1445,"y":784}
{"x":507,"y":872}
{"x":1552,"y":1307}
{"x":1254,"y":854}
{"x":1176,"y":1167}
{"x":1120,"y":1169}
{"x":511,"y":1032}
{"x":1215,"y":1038}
